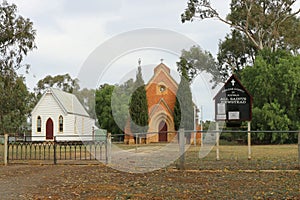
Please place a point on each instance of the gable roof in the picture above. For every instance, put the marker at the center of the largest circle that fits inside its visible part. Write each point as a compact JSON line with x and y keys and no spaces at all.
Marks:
{"x":235,"y":78}
{"x":163,"y":69}
{"x":67,"y":101}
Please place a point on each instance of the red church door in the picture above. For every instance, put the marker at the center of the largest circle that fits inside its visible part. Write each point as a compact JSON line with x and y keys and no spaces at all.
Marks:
{"x":162,"y":132}
{"x":49,"y":129}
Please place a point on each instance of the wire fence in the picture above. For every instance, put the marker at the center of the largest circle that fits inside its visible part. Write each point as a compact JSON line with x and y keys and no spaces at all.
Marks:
{"x":233,"y":155}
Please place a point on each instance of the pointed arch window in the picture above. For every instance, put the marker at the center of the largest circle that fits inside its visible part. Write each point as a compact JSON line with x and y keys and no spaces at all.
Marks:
{"x":39,"y":124}
{"x":61,"y":123}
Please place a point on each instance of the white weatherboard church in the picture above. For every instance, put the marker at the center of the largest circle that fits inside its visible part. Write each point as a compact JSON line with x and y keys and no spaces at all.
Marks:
{"x":60,"y":114}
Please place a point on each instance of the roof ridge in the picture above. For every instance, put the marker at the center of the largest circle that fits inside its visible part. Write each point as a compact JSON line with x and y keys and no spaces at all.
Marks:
{"x":168,"y":74}
{"x":69,"y":102}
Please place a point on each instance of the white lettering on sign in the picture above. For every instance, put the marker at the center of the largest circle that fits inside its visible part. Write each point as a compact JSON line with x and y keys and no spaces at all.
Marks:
{"x":233,"y":89}
{"x":233,"y":100}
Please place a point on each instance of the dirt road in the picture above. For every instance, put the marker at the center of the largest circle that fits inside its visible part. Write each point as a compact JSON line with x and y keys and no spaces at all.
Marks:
{"x":100,"y":182}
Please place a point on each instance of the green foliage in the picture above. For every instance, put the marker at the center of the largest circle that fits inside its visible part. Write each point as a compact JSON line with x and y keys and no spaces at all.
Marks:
{"x":177,"y":115}
{"x":103,"y":109}
{"x":120,"y":102}
{"x":235,"y":53}
{"x":266,"y":24}
{"x":275,"y":85}
{"x":184,"y":110}
{"x":87,"y":99}
{"x":64,"y":82}
{"x":112,"y":105}
{"x":16,"y":38}
{"x":209,"y":125}
{"x":138,"y":106}
{"x":15,"y":103}
{"x":194,"y":61}
{"x":270,"y":117}
{"x":256,"y":25}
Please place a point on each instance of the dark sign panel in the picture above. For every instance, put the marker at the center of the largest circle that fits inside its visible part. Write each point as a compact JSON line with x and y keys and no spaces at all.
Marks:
{"x":233,"y":102}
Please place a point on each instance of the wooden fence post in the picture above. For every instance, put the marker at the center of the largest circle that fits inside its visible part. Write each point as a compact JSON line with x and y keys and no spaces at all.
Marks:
{"x":217,"y":141}
{"x":5,"y":149}
{"x":181,"y":148}
{"x":299,"y":149}
{"x":54,"y":151}
{"x":108,"y":148}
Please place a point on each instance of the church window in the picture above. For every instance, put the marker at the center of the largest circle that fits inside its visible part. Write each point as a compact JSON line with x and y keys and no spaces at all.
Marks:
{"x":39,"y":124}
{"x":162,"y":88}
{"x":61,"y":123}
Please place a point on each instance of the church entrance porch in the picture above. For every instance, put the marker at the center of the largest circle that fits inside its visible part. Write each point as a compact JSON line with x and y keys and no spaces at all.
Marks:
{"x":163,"y":132}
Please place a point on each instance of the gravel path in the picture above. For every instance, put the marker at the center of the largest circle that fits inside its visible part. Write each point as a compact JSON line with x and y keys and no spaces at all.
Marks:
{"x":100,"y":182}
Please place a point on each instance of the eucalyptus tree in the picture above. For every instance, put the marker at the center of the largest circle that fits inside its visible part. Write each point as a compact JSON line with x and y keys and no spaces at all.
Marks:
{"x":16,"y":41}
{"x":255,"y":25}
{"x":267,"y":24}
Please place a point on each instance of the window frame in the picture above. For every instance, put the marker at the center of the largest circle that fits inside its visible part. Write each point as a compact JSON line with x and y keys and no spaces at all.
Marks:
{"x":61,"y":124}
{"x":38,"y":124}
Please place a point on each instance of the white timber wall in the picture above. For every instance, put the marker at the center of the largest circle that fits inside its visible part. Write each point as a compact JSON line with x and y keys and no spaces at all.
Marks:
{"x":83,"y":127}
{"x":74,"y":126}
{"x":46,"y":108}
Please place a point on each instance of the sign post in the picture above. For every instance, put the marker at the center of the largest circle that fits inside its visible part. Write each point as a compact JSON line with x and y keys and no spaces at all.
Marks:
{"x":233,"y":105}
{"x":249,"y":140}
{"x":108,"y":148}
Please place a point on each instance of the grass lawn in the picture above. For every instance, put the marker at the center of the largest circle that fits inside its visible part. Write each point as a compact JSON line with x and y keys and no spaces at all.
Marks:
{"x":232,"y":157}
{"x":264,"y":157}
{"x":235,"y":157}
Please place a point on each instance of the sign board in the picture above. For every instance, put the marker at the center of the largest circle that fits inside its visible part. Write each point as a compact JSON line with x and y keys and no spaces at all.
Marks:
{"x":233,"y":103}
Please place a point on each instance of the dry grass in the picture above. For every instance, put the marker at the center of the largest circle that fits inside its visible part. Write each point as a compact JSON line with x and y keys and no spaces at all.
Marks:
{"x":263,"y":157}
{"x":233,"y":177}
{"x":235,"y":157}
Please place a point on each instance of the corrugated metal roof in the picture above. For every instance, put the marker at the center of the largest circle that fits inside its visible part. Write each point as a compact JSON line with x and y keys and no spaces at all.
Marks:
{"x":69,"y":102}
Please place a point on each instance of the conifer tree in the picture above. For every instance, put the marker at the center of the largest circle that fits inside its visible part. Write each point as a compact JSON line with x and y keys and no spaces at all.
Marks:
{"x":138,"y":107}
{"x":183,"y":110}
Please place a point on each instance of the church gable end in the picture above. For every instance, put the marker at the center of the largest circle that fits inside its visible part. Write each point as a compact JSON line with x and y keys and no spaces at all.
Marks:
{"x":161,"y":95}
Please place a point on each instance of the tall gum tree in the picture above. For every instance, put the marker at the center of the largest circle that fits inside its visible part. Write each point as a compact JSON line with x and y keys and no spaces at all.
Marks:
{"x":16,"y":40}
{"x":267,"y":24}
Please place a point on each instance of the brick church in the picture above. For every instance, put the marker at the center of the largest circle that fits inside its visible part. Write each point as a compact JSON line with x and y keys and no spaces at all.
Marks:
{"x":161,"y":96}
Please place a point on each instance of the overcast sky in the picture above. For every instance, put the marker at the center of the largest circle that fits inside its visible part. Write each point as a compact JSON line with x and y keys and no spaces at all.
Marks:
{"x":69,"y":31}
